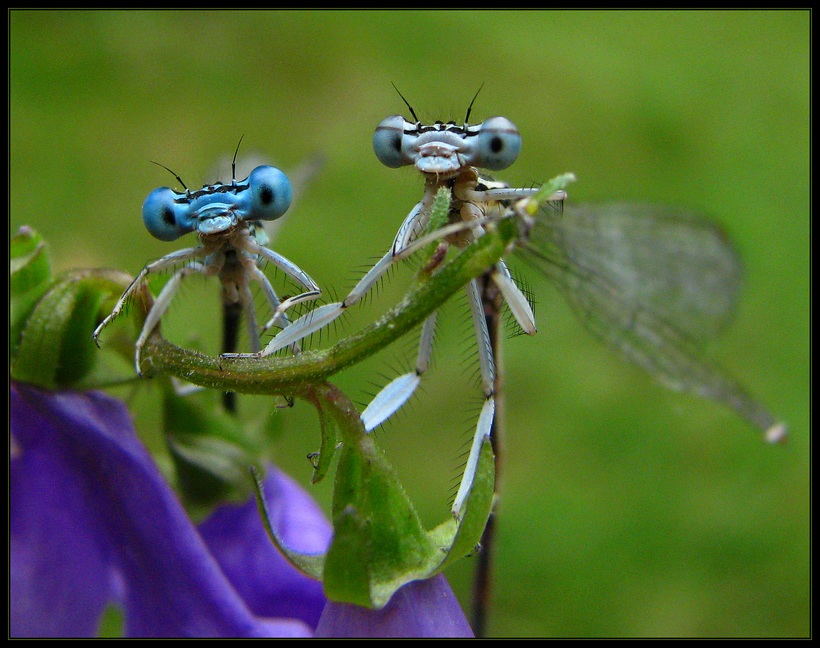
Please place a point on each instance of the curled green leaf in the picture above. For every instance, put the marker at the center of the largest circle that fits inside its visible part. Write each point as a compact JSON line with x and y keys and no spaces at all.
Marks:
{"x":310,"y":564}
{"x":55,"y":348}
{"x":379,"y":542}
{"x":29,"y":277}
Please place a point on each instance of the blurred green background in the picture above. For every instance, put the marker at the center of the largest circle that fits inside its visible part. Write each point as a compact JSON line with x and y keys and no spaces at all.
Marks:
{"x":626,"y":510}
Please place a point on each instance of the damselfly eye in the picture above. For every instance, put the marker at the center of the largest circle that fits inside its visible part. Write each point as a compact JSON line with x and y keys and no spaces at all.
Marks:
{"x":270,"y":191}
{"x":499,"y":143}
{"x":164,"y":217}
{"x":387,"y":141}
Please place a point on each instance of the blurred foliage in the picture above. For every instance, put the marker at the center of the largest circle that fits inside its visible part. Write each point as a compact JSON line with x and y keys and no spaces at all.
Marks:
{"x":625,"y":510}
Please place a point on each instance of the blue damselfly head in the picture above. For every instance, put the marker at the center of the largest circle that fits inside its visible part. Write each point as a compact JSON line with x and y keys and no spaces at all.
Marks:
{"x":265,"y":194}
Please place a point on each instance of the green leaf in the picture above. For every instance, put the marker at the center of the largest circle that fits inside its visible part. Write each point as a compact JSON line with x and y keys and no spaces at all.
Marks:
{"x":327,"y":450}
{"x":39,"y":355}
{"x":379,"y":542}
{"x":29,"y":278}
{"x":310,"y":564}
{"x":476,"y":510}
{"x":545,"y":191}
{"x":78,"y":353}
{"x":56,"y":349}
{"x":211,"y":449}
{"x":347,"y":577}
{"x":52,"y":319}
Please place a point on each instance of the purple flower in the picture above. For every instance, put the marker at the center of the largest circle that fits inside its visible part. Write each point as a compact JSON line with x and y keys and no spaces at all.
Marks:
{"x":94,"y":523}
{"x":425,"y":608}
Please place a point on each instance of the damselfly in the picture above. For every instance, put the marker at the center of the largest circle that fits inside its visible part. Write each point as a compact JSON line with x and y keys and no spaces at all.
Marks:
{"x":227,"y":218}
{"x":653,"y":282}
{"x":447,"y":155}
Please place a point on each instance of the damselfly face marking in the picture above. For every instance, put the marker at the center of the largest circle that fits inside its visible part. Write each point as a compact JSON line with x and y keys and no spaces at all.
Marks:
{"x":265,"y":194}
{"x":444,"y":149}
{"x":227,"y":217}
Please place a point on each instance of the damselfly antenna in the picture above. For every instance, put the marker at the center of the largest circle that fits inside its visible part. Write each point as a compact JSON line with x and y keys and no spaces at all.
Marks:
{"x":470,"y":107}
{"x":233,"y":163}
{"x":179,"y":180}
{"x":406,"y":103}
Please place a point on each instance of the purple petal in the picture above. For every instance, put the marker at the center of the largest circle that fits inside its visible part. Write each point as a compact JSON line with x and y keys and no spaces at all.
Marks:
{"x":267,"y":582}
{"x":425,"y":608}
{"x":93,"y":520}
{"x":53,"y":546}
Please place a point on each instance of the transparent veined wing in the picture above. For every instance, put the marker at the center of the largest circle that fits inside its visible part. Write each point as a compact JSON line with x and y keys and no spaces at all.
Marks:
{"x":653,"y":282}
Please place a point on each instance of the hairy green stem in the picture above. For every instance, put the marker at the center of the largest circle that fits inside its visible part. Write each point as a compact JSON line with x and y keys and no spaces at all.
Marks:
{"x":294,"y":375}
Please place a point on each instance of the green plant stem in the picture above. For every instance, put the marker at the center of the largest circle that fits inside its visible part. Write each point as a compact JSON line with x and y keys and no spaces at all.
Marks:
{"x":294,"y":375}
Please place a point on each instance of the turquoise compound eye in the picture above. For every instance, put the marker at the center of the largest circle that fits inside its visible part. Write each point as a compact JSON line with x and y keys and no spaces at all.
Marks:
{"x":271,"y":193}
{"x":164,"y":217}
{"x":387,"y":141}
{"x":499,"y":143}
